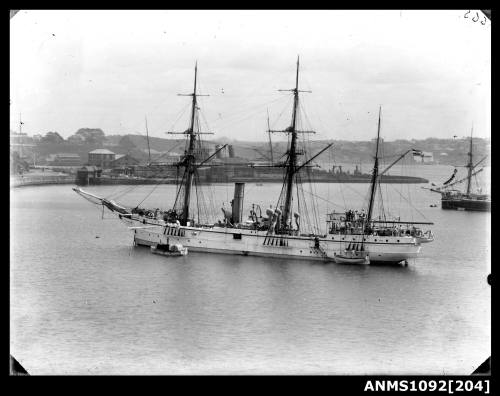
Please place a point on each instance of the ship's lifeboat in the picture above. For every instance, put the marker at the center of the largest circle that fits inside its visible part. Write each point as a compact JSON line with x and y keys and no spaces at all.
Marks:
{"x":169,"y":249}
{"x":352,"y":257}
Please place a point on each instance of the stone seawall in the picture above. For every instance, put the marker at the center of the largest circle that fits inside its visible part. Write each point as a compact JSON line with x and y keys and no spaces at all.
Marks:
{"x":21,"y":181}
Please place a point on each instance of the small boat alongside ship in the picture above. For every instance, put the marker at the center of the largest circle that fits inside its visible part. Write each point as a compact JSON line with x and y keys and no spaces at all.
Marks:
{"x":352,"y":257}
{"x":168,"y":249}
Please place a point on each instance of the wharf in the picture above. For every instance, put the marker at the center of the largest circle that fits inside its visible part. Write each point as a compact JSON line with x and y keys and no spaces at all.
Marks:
{"x":41,"y":178}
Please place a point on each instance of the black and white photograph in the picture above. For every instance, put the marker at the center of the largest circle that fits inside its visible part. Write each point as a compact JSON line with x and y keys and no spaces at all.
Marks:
{"x":250,"y":192}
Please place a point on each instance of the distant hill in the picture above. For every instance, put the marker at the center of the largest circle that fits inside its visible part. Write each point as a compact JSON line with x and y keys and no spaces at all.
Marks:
{"x":445,"y":151}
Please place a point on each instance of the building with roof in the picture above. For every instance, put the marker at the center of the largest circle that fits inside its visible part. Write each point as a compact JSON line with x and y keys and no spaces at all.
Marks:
{"x":88,"y":175}
{"x":123,"y":160}
{"x":64,"y":159}
{"x":101,"y":157}
{"x":166,"y":158}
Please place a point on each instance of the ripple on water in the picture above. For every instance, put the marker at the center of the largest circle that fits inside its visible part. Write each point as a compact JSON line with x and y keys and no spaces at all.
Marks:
{"x":81,"y":304}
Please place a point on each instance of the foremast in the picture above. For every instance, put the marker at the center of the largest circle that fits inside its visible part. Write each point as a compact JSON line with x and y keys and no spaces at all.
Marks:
{"x":183,"y":197}
{"x":292,"y":156}
{"x":189,"y":158}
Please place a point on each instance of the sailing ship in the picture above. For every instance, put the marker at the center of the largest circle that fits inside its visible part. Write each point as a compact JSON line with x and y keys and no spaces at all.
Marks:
{"x":276,"y":232}
{"x":452,"y":198}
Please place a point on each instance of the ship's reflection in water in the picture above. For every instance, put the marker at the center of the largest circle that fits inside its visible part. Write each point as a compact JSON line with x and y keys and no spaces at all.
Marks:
{"x":82,"y":305}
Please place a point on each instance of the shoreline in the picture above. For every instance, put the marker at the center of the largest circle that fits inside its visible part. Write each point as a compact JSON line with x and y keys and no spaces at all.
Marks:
{"x":126,"y":182}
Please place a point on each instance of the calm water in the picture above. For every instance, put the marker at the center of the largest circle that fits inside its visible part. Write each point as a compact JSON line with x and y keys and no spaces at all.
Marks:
{"x":84,"y":301}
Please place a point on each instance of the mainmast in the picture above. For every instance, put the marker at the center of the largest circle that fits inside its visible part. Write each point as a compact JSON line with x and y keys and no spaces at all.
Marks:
{"x":469,"y":165}
{"x":292,"y":154}
{"x":291,"y":164}
{"x":374,"y":175}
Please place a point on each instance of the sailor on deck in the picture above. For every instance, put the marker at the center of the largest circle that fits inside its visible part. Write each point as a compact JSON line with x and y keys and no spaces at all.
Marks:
{"x":363,"y":214}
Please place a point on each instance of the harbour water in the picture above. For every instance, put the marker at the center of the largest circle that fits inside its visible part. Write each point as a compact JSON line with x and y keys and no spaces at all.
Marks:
{"x":83,"y":300}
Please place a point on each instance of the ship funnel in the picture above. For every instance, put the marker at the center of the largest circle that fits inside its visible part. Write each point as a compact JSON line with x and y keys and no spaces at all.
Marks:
{"x":231,"y":151}
{"x":237,"y":204}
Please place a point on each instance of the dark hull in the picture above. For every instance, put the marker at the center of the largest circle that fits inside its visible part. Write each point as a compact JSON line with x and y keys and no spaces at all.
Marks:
{"x":249,"y":179}
{"x":466,"y":204}
{"x":316,"y":179}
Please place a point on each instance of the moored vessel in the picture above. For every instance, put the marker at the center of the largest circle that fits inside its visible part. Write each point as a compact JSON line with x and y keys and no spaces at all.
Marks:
{"x":278,"y":231}
{"x":454,"y":199}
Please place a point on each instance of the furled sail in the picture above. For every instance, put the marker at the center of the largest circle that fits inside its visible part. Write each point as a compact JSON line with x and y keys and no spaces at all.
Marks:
{"x":110,"y":204}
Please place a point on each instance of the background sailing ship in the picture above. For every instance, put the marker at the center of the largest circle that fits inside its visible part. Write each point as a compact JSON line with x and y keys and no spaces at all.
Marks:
{"x":452,"y":198}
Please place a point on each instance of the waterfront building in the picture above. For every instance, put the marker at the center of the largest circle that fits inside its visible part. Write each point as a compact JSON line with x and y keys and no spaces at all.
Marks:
{"x":101,"y":157}
{"x":123,"y":160}
{"x":64,"y":159}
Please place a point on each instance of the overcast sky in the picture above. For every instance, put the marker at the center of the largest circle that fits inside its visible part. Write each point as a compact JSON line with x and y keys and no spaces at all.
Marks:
{"x":430,"y":71}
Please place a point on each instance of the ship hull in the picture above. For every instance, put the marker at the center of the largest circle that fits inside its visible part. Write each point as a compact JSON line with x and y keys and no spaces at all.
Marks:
{"x":257,"y":243}
{"x":466,"y":204}
{"x":247,"y":179}
{"x":323,"y":178}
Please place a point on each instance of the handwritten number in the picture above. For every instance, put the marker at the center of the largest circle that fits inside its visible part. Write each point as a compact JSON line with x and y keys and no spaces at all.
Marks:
{"x":476,"y":18}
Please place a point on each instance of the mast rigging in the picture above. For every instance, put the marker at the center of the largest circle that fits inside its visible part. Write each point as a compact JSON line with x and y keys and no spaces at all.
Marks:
{"x":374,"y":175}
{"x":189,"y":158}
{"x":291,"y":163}
{"x":469,"y":165}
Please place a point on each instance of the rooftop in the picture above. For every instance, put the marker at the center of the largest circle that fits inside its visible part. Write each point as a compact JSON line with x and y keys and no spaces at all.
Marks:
{"x":69,"y":155}
{"x":101,"y":151}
